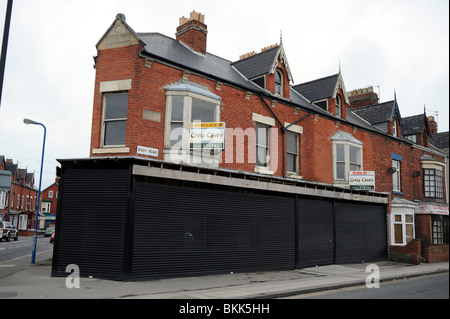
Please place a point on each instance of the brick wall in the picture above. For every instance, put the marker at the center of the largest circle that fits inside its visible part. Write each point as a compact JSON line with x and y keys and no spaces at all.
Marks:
{"x":436,"y":253}
{"x":410,"y":253}
{"x":315,"y":148}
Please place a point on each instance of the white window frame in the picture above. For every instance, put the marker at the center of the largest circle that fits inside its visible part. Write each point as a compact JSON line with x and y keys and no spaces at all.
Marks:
{"x":296,"y":154}
{"x":396,"y":176}
{"x":403,"y":222}
{"x":298,"y":130}
{"x":279,"y":84}
{"x":112,"y":87}
{"x":182,"y":153}
{"x":50,"y":194}
{"x":394,"y":128}
{"x":338,"y":106}
{"x":105,"y":121}
{"x":258,"y":127}
{"x":347,"y":146}
{"x":46,"y":206}
{"x":269,"y":122}
{"x":23,"y":222}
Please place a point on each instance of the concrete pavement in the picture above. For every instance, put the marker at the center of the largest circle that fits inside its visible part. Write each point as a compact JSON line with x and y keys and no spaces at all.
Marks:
{"x":34,"y":282}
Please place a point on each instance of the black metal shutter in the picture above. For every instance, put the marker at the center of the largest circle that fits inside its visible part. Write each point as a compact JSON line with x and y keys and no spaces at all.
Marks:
{"x":186,"y":231}
{"x":90,"y":222}
{"x":361,"y":233}
{"x":315,"y":233}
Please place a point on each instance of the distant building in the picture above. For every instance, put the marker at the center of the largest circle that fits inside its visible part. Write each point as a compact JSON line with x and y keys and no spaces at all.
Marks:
{"x":21,"y":200}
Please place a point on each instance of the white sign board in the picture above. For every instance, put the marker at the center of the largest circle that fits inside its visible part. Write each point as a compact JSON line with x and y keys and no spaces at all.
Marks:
{"x":432,"y":208}
{"x":209,"y":135}
{"x":142,"y":150}
{"x":363,"y":180}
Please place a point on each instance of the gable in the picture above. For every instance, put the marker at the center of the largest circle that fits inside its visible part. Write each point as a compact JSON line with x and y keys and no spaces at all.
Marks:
{"x":263,"y":63}
{"x":414,"y":125}
{"x":119,"y":34}
{"x":379,"y":113}
{"x":323,"y":88}
{"x":318,"y":89}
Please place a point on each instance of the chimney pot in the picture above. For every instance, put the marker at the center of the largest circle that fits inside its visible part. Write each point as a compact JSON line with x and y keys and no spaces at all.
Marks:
{"x":193,"y":31}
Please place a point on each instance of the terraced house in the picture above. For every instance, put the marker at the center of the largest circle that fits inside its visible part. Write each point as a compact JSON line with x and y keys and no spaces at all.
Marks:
{"x":203,"y":165}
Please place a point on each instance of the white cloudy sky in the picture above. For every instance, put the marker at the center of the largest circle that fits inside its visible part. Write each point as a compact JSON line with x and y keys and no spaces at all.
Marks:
{"x":400,"y":45}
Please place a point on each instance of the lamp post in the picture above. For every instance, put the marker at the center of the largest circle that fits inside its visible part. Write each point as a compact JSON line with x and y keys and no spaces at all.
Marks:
{"x":33,"y":254}
{"x":5,"y":45}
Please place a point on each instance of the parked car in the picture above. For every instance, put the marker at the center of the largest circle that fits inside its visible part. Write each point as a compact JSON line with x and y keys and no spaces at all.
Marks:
{"x":49,"y":231}
{"x":8,"y":231}
{"x":52,"y":237}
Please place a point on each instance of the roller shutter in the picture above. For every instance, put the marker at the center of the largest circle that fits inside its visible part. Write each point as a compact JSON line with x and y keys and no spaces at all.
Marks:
{"x":185,"y":231}
{"x":361,"y":233}
{"x":315,"y":233}
{"x":90,"y":223}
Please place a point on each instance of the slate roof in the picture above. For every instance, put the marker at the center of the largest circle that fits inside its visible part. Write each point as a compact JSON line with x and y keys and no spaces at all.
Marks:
{"x":12,"y":168}
{"x":169,"y":49}
{"x":258,"y":64}
{"x":379,"y":113}
{"x":318,"y":89}
{"x":441,"y":141}
{"x":239,"y":73}
{"x":415,"y":125}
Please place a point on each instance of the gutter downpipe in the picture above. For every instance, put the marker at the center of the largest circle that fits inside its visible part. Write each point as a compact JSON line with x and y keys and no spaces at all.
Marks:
{"x":283,"y":130}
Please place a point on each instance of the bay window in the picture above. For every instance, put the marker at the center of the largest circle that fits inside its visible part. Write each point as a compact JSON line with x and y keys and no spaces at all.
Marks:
{"x":187,"y":103}
{"x":433,"y":183}
{"x":347,"y":156}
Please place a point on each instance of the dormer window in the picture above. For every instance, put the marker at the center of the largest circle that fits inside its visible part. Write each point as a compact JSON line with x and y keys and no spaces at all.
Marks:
{"x":394,"y":128}
{"x":338,"y":106}
{"x":278,"y":83}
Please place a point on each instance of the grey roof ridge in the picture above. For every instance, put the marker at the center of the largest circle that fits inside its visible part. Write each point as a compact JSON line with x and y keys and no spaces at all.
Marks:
{"x":184,"y":44}
{"x":325,"y":77}
{"x":257,"y":54}
{"x":369,"y":106}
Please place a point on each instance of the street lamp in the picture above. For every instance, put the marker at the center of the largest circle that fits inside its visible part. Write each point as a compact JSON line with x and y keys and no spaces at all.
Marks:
{"x":33,"y":254}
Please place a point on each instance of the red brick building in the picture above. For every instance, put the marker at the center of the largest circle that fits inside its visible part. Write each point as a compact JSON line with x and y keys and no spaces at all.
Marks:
{"x":209,"y":165}
{"x":149,"y":88}
{"x":49,"y":203}
{"x":21,"y":199}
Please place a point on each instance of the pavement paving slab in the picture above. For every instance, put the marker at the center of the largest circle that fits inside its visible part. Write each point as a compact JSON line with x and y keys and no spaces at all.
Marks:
{"x":35,"y":282}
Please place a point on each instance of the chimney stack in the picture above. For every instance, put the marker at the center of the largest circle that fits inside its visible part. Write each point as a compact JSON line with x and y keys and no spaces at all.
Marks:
{"x":432,"y":124}
{"x":362,"y":97}
{"x":193,"y":31}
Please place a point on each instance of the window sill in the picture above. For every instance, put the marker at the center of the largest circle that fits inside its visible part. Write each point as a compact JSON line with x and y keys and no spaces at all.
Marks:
{"x":293,"y":175}
{"x":398,"y":193}
{"x":191,"y":158}
{"x":111,"y":150}
{"x":263,"y":170}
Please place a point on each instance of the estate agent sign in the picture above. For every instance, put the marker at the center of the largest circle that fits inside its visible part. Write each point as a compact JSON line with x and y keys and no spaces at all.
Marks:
{"x":210,"y":135}
{"x":363,"y":180}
